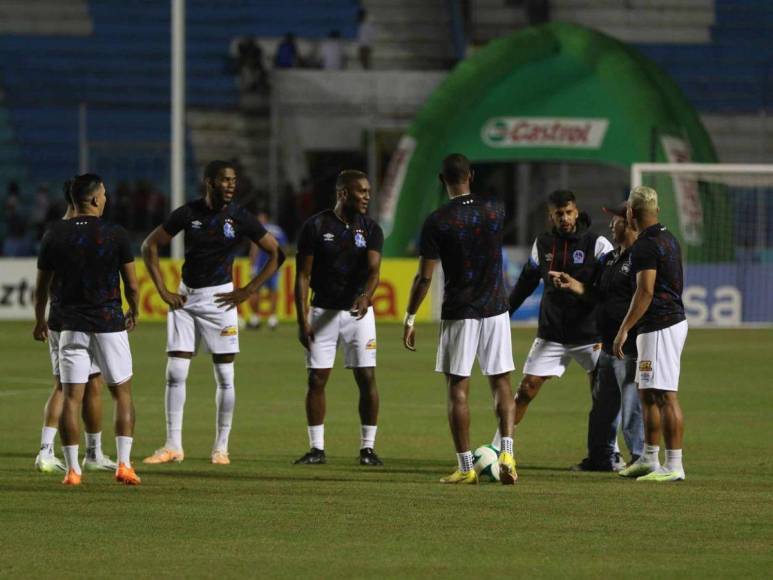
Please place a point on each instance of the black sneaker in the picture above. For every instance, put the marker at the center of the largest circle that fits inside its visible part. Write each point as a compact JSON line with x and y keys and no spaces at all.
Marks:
{"x":585,"y":465}
{"x":588,"y":464}
{"x":369,"y":457}
{"x":313,"y":457}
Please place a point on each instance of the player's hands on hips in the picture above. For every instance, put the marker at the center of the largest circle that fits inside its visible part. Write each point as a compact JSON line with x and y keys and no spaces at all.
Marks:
{"x":306,"y":335}
{"x":40,"y":332}
{"x":360,"y":306}
{"x":409,"y":337}
{"x":229,"y":300}
{"x":131,"y":320}
{"x":617,"y":346}
{"x":173,"y":299}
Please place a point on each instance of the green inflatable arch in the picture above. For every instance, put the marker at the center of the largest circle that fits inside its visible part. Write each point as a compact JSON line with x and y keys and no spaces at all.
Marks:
{"x":552,"y":92}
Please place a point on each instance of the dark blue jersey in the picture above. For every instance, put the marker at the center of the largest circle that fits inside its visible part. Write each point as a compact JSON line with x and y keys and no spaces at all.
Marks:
{"x":340,"y":250}
{"x":213,"y":238}
{"x":54,"y":305}
{"x":466,"y":236}
{"x":658,"y":249}
{"x":613,"y":288}
{"x":86,"y":254}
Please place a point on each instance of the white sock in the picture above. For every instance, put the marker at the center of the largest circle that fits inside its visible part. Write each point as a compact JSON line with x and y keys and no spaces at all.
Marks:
{"x":176,"y":375}
{"x":124,"y":447}
{"x":225,"y":398}
{"x":496,"y":442}
{"x":651,"y":454}
{"x":674,"y":460}
{"x":254,"y":319}
{"x":93,"y":445}
{"x":368,"y":436}
{"x":465,"y":461}
{"x":47,"y":440}
{"x":70,"y":453}
{"x":507,"y":445}
{"x":272,"y":320}
{"x":317,"y":436}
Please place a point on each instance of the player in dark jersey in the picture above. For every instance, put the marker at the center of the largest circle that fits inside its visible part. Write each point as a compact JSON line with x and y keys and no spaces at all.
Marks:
{"x":89,"y":257}
{"x":657,"y":308}
{"x":567,"y":324}
{"x":614,"y":393}
{"x":204,"y":306}
{"x":95,"y":459}
{"x":465,"y":236}
{"x":339,"y":259}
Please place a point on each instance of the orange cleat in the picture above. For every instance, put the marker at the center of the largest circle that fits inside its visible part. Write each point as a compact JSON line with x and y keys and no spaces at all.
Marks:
{"x":125,"y":474}
{"x":72,"y":478}
{"x":165,"y":455}
{"x":220,"y":457}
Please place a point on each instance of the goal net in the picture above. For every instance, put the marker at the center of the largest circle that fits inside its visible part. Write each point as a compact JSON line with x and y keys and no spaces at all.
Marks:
{"x":723,"y":216}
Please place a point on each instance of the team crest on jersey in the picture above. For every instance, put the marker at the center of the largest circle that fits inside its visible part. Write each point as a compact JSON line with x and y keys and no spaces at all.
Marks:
{"x":228,"y":229}
{"x":229,"y":331}
{"x":359,"y":240}
{"x":626,"y":267}
{"x":328,"y":237}
{"x":578,"y":256}
{"x":371,"y":344}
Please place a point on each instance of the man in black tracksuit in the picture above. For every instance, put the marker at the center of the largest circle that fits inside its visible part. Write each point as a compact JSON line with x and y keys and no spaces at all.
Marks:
{"x":567,"y":323}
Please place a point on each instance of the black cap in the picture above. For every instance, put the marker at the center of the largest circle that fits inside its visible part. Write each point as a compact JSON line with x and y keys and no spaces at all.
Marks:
{"x":619,"y":210}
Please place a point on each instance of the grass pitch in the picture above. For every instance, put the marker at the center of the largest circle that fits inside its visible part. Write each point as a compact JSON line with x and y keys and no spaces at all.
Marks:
{"x":262,"y":516}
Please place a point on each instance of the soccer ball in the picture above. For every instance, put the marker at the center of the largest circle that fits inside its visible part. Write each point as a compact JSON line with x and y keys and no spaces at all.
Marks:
{"x":486,"y":463}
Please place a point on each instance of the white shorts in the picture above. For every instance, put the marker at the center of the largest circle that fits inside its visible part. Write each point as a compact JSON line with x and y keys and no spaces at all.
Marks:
{"x":550,"y":359}
{"x":53,"y":351}
{"x":487,"y":338}
{"x":334,"y":327}
{"x":660,"y":357}
{"x":79,"y":350}
{"x":201,"y":318}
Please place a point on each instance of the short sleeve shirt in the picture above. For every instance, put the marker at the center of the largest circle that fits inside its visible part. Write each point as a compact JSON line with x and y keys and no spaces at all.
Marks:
{"x":340,"y":250}
{"x":615,"y":284}
{"x":213,"y":238}
{"x":466,"y":236}
{"x":86,"y":254}
{"x":658,"y":249}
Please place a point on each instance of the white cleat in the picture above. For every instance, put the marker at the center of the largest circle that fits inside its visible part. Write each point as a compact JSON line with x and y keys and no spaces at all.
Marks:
{"x":46,"y":463}
{"x":100,"y":463}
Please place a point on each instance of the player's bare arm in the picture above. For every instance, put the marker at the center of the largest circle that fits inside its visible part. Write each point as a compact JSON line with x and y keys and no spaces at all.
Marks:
{"x":364,"y":300}
{"x":270,"y":246}
{"x":419,"y":289}
{"x":131,"y":291}
{"x":645,"y":288}
{"x":40,"y":332}
{"x":303,"y":265}
{"x":157,"y":238}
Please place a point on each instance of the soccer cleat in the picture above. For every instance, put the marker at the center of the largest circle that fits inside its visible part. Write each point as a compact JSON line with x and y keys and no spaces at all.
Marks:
{"x":638,"y":468}
{"x":663,"y":475}
{"x":369,"y":457}
{"x":220,"y":457}
{"x":313,"y":457}
{"x":462,"y":477}
{"x":49,"y":463}
{"x":165,"y":455}
{"x":99,"y":463}
{"x":72,"y":478}
{"x":125,"y":474}
{"x":507,"y":473}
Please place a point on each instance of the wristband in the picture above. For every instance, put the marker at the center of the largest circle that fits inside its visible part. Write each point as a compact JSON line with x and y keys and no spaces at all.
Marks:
{"x":409,"y":319}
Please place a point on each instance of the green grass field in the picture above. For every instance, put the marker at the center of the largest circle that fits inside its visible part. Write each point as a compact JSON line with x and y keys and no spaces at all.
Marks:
{"x":262,"y":516}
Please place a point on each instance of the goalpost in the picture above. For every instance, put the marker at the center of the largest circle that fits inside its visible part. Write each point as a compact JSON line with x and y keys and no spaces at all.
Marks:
{"x":723,"y":216}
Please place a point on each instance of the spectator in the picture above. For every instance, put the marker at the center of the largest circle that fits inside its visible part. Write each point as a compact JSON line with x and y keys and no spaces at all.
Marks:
{"x":332,"y":52}
{"x":366,"y":35}
{"x":249,"y":63}
{"x":286,"y":55}
{"x":40,"y":209}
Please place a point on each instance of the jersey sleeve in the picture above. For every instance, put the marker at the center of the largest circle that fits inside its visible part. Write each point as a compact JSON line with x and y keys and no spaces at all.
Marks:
{"x":376,"y":238}
{"x":644,"y":256}
{"x":125,"y":254}
{"x":428,"y":243}
{"x":603,"y":246}
{"x":252,"y":228}
{"x":46,"y":259}
{"x":306,"y":239}
{"x":176,"y":221}
{"x":533,"y":260}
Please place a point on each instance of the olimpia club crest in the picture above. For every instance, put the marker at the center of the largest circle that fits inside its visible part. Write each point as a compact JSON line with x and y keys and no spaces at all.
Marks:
{"x":359,"y":239}
{"x":228,"y":229}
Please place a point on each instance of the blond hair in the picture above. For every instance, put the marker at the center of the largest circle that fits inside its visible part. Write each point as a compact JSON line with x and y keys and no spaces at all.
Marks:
{"x":643,"y":199}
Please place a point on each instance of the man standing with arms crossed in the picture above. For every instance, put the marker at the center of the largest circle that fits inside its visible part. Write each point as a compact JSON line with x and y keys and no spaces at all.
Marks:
{"x":656,"y":260}
{"x":339,"y":259}
{"x":465,"y":235}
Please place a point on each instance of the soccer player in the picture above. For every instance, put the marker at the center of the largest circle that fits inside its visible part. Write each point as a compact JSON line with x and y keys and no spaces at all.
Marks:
{"x":258,"y":260}
{"x":339,"y":258}
{"x":465,"y":235}
{"x":204,"y":306}
{"x":614,"y":392}
{"x":567,"y":323}
{"x":95,"y":460}
{"x":656,"y":260}
{"x":89,"y":257}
